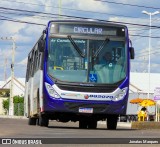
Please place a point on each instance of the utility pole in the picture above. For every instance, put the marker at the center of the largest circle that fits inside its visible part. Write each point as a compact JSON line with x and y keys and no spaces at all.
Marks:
{"x":149,"y":64}
{"x":5,"y":66}
{"x":60,"y":6}
{"x":11,"y":106}
{"x":11,"y":109}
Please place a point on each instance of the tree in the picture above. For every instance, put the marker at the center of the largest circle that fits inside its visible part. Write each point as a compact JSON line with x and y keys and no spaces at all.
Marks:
{"x":18,"y":102}
{"x":6,"y":105}
{"x":18,"y":105}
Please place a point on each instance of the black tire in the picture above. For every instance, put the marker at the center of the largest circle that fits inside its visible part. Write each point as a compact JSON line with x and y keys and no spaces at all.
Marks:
{"x":32,"y":121}
{"x":92,"y":124}
{"x":29,"y":107}
{"x":43,"y":121}
{"x":83,"y":124}
{"x":112,"y":122}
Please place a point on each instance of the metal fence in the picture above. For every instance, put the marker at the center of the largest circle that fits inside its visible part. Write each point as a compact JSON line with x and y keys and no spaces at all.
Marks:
{"x":19,"y":109}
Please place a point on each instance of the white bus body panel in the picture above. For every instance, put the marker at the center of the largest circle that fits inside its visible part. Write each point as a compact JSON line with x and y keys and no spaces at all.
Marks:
{"x":33,"y":89}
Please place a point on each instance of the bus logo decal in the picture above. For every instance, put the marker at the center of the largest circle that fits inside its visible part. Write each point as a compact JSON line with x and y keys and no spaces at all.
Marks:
{"x":86,"y":96}
{"x":98,"y":96}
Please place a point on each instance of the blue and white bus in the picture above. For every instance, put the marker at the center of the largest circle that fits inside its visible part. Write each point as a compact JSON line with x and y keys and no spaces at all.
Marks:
{"x":78,"y":71}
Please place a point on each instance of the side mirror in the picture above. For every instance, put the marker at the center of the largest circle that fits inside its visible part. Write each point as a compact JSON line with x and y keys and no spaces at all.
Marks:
{"x":41,"y":45}
{"x":131,"y":49}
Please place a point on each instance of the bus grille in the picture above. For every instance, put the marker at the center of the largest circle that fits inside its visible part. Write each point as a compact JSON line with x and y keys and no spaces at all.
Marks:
{"x":94,"y":89}
{"x":97,"y":108}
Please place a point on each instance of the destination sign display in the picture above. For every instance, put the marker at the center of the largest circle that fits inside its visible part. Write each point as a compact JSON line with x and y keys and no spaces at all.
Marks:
{"x":81,"y":29}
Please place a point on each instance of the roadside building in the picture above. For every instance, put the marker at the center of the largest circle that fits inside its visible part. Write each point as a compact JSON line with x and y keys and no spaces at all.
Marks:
{"x":18,"y":89}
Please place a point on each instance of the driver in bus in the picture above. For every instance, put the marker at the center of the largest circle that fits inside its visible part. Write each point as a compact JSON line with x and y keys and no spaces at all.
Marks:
{"x":107,"y":59}
{"x":104,"y":68}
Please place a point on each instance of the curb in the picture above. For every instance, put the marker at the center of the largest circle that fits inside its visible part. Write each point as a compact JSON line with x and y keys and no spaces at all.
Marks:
{"x":15,"y":117}
{"x":143,"y":125}
{"x":119,"y":124}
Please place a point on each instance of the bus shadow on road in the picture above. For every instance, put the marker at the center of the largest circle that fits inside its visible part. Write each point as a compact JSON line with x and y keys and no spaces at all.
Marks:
{"x":77,"y":128}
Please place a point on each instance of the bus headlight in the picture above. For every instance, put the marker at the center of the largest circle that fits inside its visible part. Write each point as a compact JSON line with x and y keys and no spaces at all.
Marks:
{"x":51,"y":91}
{"x":121,"y":95}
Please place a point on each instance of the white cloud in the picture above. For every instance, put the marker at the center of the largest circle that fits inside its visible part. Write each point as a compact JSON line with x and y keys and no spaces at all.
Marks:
{"x":11,"y":28}
{"x":20,"y":38}
{"x":91,"y":5}
{"x":25,"y":5}
{"x":31,"y":30}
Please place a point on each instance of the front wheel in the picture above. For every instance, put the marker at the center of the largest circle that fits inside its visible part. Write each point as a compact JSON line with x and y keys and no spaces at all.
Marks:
{"x":43,"y":120}
{"x":112,"y":122}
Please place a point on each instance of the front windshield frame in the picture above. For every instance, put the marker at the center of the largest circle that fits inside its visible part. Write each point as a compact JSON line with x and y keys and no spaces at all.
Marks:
{"x":89,"y":55}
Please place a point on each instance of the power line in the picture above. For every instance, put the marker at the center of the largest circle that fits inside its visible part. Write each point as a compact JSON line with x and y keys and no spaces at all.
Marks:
{"x":148,"y":54}
{"x":78,"y":17}
{"x":71,"y":9}
{"x":125,"y":4}
{"x":152,"y":51}
{"x":145,"y":36}
{"x":57,"y":7}
{"x":26,"y":22}
{"x":19,"y":21}
{"x":144,"y":52}
{"x":19,"y":10}
{"x":24,"y":14}
{"x":57,"y":16}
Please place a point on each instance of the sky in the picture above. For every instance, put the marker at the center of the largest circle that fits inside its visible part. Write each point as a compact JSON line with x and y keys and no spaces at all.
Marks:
{"x":34,"y":15}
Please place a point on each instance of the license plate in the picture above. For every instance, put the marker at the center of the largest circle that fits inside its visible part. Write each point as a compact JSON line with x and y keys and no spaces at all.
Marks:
{"x":86,"y":110}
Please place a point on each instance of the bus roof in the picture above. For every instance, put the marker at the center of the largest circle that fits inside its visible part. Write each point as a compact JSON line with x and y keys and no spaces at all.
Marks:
{"x":89,"y":21}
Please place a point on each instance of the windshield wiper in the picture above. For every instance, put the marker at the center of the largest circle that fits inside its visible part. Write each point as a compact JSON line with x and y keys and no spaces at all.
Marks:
{"x":101,"y":47}
{"x":76,"y":47}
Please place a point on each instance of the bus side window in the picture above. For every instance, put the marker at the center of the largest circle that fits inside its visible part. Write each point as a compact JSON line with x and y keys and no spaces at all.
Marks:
{"x":35,"y":61}
{"x":38,"y":59}
{"x":28,"y":69}
{"x":31,"y":65}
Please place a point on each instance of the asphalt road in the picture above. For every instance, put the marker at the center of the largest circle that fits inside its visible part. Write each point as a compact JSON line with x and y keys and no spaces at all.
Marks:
{"x":18,"y":128}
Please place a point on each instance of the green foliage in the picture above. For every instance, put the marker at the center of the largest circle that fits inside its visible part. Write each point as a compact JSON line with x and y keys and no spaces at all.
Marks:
{"x":5,"y":104}
{"x":18,"y":109}
{"x":18,"y":99}
{"x":18,"y":105}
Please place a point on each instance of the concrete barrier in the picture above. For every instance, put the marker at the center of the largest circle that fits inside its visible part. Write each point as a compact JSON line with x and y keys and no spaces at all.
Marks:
{"x":145,"y":125}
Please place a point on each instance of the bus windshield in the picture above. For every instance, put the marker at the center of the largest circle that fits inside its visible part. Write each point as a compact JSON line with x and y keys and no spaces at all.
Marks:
{"x":87,"y":60}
